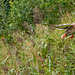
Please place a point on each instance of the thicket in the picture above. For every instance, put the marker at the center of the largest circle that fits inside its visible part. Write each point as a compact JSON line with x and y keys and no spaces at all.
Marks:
{"x":14,"y":12}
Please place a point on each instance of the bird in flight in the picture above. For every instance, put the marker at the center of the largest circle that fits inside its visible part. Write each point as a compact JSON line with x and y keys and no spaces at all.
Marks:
{"x":70,"y":30}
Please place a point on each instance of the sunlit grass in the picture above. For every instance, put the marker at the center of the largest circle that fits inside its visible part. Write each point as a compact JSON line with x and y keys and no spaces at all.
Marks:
{"x":50,"y":55}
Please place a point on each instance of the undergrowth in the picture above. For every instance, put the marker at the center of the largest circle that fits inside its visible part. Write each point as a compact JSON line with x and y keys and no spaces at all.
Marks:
{"x":49,"y":56}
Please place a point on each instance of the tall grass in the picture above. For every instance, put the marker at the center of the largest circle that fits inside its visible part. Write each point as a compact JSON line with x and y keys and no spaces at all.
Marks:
{"x":49,"y":56}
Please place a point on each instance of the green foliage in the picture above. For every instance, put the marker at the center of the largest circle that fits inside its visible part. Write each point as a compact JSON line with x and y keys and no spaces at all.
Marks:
{"x":13,"y":13}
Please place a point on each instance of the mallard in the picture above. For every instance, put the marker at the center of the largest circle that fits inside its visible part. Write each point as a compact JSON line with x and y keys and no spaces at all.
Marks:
{"x":70,"y":30}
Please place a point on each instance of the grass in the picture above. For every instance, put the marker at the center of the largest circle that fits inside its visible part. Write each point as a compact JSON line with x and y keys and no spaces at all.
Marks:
{"x":49,"y":56}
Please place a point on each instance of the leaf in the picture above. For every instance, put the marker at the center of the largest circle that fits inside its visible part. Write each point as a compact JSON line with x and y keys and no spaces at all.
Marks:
{"x":34,"y":58}
{"x":3,"y":62}
{"x":2,"y":37}
{"x":51,"y":40}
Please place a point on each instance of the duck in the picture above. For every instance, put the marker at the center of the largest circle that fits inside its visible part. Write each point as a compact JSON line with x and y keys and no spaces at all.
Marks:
{"x":70,"y":30}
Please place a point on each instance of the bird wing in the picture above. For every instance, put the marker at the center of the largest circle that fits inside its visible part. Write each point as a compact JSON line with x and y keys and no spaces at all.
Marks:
{"x":63,"y":26}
